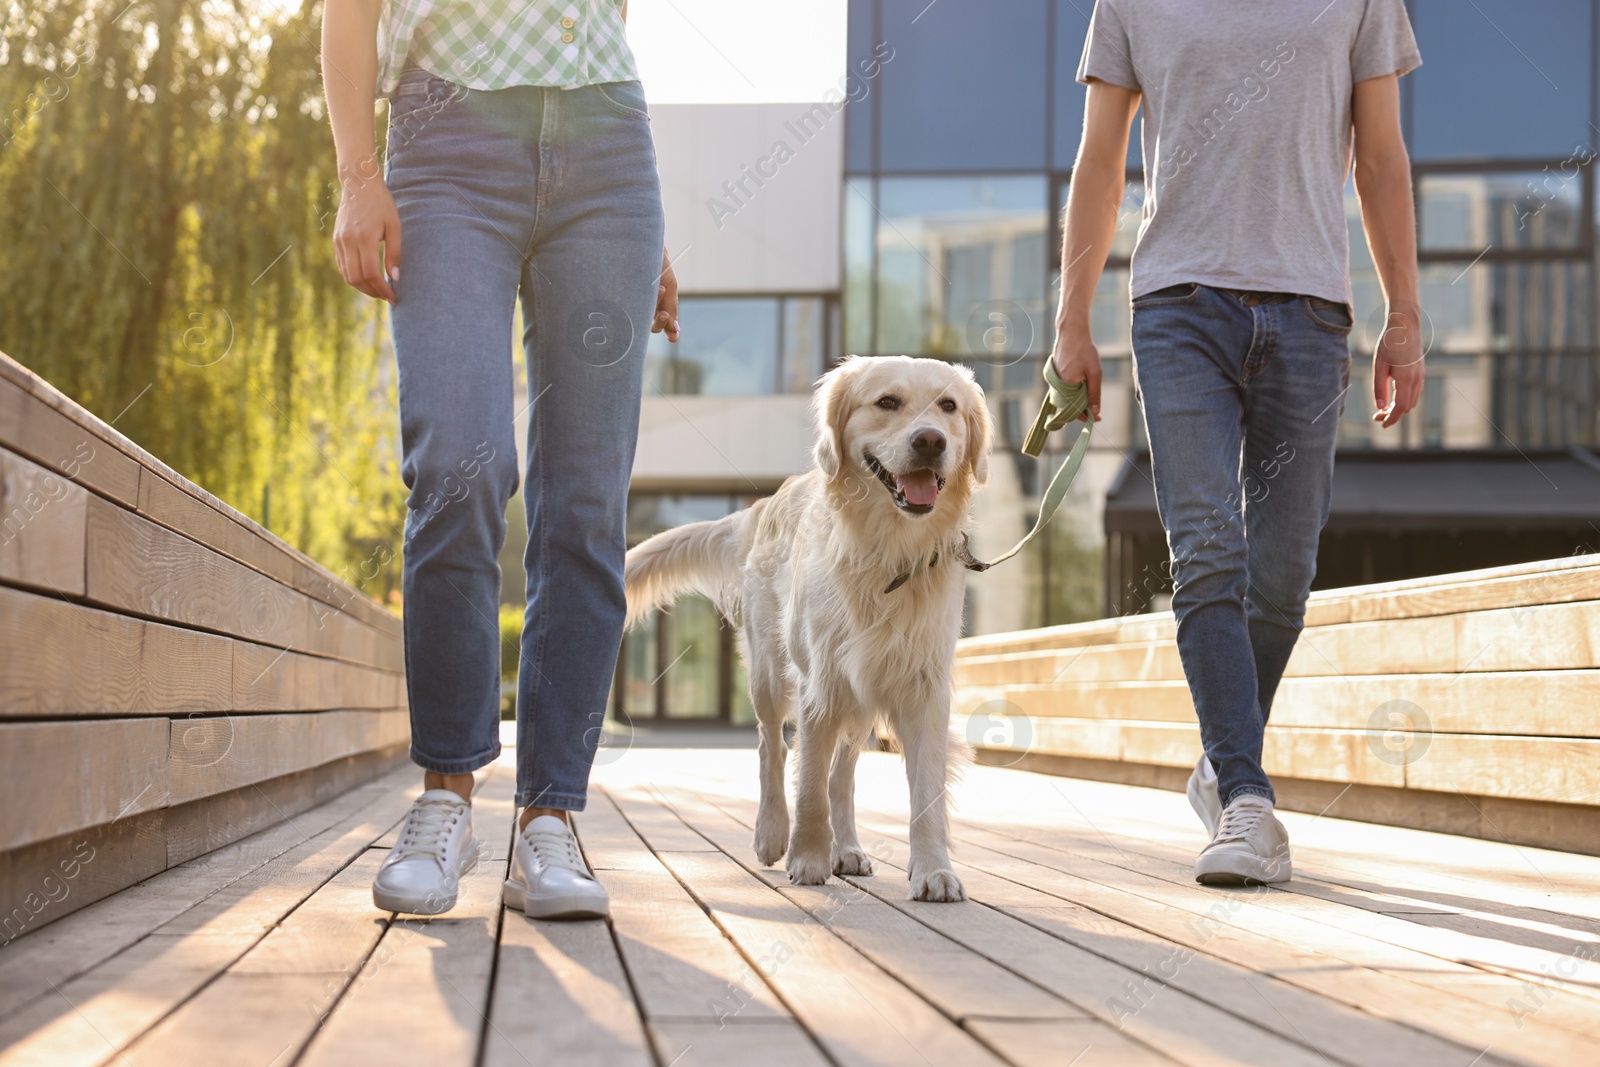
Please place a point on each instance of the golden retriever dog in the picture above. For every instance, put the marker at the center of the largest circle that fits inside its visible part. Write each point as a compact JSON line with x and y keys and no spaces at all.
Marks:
{"x":846,"y":588}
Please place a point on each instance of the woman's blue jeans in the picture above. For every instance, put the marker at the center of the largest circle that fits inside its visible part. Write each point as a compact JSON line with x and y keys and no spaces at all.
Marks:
{"x":1242,"y":395}
{"x":550,"y":195}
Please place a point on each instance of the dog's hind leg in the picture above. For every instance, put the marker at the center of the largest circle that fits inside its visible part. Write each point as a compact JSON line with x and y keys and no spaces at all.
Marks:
{"x":810,"y":844}
{"x":848,"y":856}
{"x":925,"y":740}
{"x":772,"y":815}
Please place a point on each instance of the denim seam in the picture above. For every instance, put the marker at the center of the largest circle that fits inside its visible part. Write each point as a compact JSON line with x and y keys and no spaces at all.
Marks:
{"x":559,"y":801}
{"x":544,"y":545}
{"x":549,"y":148}
{"x":1263,"y":338}
{"x":465,"y":765}
{"x":1328,"y":327}
{"x":623,"y":109}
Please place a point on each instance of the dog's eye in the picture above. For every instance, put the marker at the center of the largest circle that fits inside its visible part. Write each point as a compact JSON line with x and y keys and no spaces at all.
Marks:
{"x":889,"y":402}
{"x":947,"y":404}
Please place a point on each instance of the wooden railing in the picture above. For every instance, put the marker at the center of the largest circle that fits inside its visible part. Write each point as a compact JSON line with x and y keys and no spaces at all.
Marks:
{"x":172,"y":676}
{"x":1468,"y":703}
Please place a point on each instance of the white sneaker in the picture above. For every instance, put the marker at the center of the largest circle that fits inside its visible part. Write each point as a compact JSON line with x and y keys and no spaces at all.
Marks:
{"x":436,"y":847}
{"x":1251,"y":847}
{"x":549,"y":879}
{"x":1203,"y":796}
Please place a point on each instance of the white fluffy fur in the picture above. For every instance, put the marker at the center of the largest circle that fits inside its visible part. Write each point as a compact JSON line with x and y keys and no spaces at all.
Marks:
{"x":824,"y":644}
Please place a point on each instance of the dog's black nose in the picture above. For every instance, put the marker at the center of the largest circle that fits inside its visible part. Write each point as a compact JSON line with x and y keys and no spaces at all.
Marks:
{"x":928,"y":442}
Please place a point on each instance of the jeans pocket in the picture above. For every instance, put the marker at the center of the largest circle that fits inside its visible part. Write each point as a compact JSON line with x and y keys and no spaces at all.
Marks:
{"x":1182,"y":293}
{"x":625,"y":98}
{"x":1331,"y":315}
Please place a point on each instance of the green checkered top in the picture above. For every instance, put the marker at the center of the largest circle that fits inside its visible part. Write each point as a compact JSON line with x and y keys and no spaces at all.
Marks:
{"x":495,"y":44}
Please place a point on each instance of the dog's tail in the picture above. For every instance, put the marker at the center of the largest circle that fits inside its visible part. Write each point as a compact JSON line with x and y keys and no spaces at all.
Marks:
{"x":700,"y":557}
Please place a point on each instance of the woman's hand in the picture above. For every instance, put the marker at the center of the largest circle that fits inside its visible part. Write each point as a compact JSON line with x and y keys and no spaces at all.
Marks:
{"x":367,"y":220}
{"x":666,"y":319}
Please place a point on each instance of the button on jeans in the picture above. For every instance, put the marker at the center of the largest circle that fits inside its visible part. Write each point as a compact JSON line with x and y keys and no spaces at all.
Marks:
{"x":550,"y":195}
{"x":1241,"y":395}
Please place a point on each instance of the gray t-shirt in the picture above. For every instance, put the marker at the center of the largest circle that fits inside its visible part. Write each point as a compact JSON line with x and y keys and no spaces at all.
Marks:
{"x":1247,"y":131}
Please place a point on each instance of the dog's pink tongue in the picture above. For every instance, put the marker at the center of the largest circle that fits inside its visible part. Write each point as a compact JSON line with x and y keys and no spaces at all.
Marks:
{"x":920,"y":487}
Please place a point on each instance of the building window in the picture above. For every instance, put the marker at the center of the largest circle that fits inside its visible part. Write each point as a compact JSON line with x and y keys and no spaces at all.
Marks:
{"x":963,"y":89}
{"x":680,"y":664}
{"x":743,"y":346}
{"x":961,"y":265}
{"x":1498,"y":82}
{"x":1507,"y":210}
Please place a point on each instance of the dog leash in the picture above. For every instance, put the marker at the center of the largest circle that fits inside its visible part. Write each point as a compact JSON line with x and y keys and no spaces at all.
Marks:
{"x":1063,"y":402}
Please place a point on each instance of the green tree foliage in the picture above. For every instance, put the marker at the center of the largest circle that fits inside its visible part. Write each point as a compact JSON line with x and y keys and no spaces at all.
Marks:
{"x":165,"y":259}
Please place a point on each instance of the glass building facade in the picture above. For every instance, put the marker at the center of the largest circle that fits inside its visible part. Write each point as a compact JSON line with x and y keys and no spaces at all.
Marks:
{"x":958,"y":155}
{"x":959,"y":158}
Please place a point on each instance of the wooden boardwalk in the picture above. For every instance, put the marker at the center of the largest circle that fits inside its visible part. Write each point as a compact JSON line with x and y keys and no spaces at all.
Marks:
{"x":1085,"y":942}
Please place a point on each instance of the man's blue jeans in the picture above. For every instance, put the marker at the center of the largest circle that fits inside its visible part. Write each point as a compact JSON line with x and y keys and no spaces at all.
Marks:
{"x":551,"y":194}
{"x":1242,"y":395}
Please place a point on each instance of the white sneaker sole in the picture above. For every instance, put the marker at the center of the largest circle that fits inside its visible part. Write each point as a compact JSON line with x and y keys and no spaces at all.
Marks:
{"x":427,"y":903}
{"x":568,"y":906}
{"x":1240,"y":868}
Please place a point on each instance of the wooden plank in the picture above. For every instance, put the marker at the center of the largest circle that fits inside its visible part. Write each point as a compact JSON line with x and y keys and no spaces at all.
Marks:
{"x":656,"y":823}
{"x":1157,"y":969}
{"x":1551,"y":769}
{"x":49,"y":883}
{"x":265,"y":1020}
{"x":859,"y":1014}
{"x":211,"y":822}
{"x":1053,"y":1042}
{"x":281,"y":989}
{"x":54,"y":441}
{"x":1260,"y":931}
{"x":37,"y":420}
{"x":1531,"y":636}
{"x":956,"y":981}
{"x":438,"y":968}
{"x":136,"y":566}
{"x":1122,"y":662}
{"x":1563,"y":703}
{"x":1333,"y":755}
{"x":215,"y":753}
{"x":125,"y":978}
{"x":46,"y":882}
{"x":1553,"y":954}
{"x":91,"y":1018}
{"x":681,"y":966}
{"x":121,"y":770}
{"x":41,"y":526}
{"x":778,"y":1043}
{"x":276,"y":679}
{"x":561,"y":996}
{"x":142,"y":667}
{"x":1540,"y":582}
{"x":166,"y":503}
{"x":1531,"y":768}
{"x":66,"y":660}
{"x":1545,"y":582}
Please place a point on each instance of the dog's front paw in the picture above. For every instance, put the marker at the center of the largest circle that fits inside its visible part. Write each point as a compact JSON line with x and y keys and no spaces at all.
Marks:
{"x":941,"y":886}
{"x":851,"y":860}
{"x":771,"y":841}
{"x":806,"y":868}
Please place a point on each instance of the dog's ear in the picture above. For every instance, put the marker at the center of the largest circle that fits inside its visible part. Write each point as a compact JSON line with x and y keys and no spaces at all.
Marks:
{"x":980,"y":434}
{"x":831,"y":409}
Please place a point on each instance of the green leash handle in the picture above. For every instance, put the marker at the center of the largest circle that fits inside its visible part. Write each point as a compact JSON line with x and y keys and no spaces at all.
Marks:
{"x":1063,"y":402}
